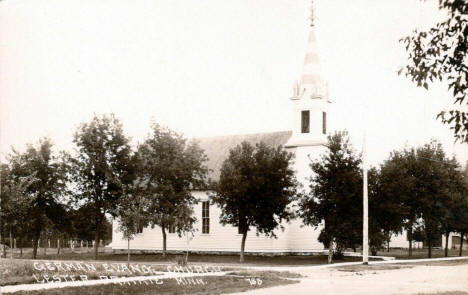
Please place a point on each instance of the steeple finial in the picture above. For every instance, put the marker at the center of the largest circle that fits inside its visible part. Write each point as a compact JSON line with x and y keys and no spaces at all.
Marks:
{"x":311,"y":17}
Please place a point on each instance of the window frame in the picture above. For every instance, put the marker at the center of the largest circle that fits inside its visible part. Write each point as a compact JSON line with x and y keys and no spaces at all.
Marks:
{"x":205,"y":218}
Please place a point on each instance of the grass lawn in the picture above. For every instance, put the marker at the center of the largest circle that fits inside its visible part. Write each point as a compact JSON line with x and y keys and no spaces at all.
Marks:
{"x":441,"y":263}
{"x":419,"y":253}
{"x":193,"y":258}
{"x":234,"y":282}
{"x":17,"y":271}
{"x":371,"y":267}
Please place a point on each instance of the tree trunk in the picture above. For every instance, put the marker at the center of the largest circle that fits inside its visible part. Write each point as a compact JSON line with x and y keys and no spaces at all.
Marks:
{"x":58,"y":246}
{"x":20,"y":240}
{"x":45,"y":248}
{"x":446,"y":243}
{"x":461,"y":244}
{"x":96,"y":243}
{"x":11,"y":245}
{"x":244,"y":237}
{"x":429,"y":250}
{"x":330,"y":251}
{"x":410,"y":240}
{"x":3,"y":243}
{"x":388,"y":246}
{"x":128,"y":252}
{"x":164,"y":241}
{"x":35,"y":245}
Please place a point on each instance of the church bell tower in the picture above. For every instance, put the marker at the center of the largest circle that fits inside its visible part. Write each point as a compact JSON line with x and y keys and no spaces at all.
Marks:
{"x":310,"y":100}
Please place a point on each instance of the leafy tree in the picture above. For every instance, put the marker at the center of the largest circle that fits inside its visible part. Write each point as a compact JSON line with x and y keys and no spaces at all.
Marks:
{"x":130,"y":217}
{"x":461,"y":217}
{"x":461,"y":209}
{"x":452,"y":202}
{"x":48,"y":187}
{"x":335,"y":199}
{"x":398,"y":183}
{"x":255,"y":189}
{"x":434,"y":173}
{"x":131,"y":210}
{"x":171,"y":169}
{"x":101,"y":168}
{"x":440,"y":53}
{"x":385,"y":215}
{"x":419,"y":180}
{"x":16,"y":205}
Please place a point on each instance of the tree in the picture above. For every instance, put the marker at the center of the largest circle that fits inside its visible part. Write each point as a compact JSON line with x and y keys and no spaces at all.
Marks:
{"x":16,"y":205}
{"x":461,"y":217}
{"x":441,"y":54}
{"x":419,"y":179}
{"x":385,"y":213}
{"x":48,"y":188}
{"x":435,"y":174}
{"x":398,"y":183}
{"x":456,"y":213}
{"x":171,"y":169}
{"x":101,"y":167}
{"x":131,"y":209}
{"x":255,"y":189}
{"x":130,"y":216}
{"x":335,"y":198}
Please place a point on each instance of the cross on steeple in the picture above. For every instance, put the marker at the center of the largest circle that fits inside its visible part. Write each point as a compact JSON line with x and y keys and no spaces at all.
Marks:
{"x":311,"y":17}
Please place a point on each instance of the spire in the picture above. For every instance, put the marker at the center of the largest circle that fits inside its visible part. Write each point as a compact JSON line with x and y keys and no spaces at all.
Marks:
{"x":312,"y":84}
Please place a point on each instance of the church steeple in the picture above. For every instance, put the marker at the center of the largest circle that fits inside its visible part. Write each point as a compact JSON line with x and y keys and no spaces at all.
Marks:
{"x":310,"y":98}
{"x":311,"y":84}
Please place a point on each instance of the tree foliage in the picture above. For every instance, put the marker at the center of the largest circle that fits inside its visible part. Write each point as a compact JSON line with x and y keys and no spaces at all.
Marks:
{"x":440,"y":53}
{"x":422,"y":181}
{"x":335,"y":199}
{"x":48,"y":189}
{"x":171,"y":169}
{"x":255,"y":189}
{"x":101,"y":167}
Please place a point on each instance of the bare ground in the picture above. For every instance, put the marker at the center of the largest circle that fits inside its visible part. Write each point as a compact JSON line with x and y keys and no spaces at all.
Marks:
{"x":378,"y":279}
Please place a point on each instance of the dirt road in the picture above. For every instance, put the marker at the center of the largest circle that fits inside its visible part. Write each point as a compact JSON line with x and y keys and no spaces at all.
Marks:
{"x":399,"y":280}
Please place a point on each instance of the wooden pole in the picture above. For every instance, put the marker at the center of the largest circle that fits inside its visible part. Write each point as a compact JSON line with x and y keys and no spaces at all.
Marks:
{"x":365,"y":229}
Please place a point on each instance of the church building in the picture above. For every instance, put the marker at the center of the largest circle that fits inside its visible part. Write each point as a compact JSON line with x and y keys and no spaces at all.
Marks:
{"x":306,"y":139}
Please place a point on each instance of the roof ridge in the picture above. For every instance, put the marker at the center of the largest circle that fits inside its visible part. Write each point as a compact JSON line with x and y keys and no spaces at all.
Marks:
{"x":241,"y":134}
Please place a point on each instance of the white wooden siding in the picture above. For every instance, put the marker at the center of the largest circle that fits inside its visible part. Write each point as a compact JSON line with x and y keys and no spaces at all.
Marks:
{"x":223,"y":238}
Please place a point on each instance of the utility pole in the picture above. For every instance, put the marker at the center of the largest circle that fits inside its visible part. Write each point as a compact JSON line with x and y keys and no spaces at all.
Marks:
{"x":365,"y":219}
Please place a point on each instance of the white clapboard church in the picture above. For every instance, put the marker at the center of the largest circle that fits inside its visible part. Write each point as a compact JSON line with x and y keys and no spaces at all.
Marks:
{"x":306,"y":139}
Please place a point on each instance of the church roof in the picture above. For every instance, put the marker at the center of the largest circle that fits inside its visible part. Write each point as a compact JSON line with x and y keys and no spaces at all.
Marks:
{"x":217,"y":147}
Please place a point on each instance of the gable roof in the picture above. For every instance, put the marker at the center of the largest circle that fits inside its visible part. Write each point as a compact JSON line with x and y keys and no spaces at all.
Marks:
{"x":217,"y":147}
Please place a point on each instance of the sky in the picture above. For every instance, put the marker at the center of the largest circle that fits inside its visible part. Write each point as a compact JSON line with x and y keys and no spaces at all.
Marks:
{"x":211,"y":67}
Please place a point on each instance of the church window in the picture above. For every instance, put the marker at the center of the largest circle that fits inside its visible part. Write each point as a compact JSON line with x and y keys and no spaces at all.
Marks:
{"x":139,"y":228}
{"x":171,"y":229}
{"x":305,"y":121}
{"x":324,"y":122}
{"x":206,"y":217}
